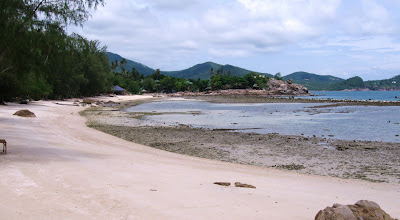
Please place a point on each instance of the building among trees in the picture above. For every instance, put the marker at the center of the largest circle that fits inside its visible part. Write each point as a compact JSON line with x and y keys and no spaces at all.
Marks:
{"x":120,"y":91}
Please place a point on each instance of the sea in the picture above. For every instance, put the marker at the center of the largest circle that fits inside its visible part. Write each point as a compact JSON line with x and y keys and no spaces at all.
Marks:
{"x":368,"y":123}
{"x":357,"y":95}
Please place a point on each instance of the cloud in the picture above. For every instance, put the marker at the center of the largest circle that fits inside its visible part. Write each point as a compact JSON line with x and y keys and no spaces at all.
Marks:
{"x":175,"y":34}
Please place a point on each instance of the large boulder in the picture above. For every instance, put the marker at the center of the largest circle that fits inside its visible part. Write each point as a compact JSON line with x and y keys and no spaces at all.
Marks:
{"x":363,"y":209}
{"x":25,"y":113}
{"x":279,"y":87}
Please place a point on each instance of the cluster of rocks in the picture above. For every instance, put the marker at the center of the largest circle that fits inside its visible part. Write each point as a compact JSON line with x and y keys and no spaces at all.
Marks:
{"x":363,"y":209}
{"x":279,"y":87}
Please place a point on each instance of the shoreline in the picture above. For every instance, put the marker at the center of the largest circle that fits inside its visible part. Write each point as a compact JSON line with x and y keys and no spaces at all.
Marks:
{"x":57,"y":167}
{"x":347,"y":159}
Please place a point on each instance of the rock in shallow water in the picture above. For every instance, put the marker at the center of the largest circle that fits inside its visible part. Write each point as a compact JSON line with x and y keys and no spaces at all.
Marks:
{"x":363,"y":209}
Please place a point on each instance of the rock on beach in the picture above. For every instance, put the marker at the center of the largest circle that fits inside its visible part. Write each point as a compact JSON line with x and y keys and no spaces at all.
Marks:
{"x":363,"y":209}
{"x":25,"y":113}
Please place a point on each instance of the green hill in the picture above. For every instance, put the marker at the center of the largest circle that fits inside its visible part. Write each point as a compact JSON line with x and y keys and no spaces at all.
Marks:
{"x":145,"y":70}
{"x":202,"y":71}
{"x":355,"y":82}
{"x":313,"y":81}
{"x":385,"y":84}
{"x":309,"y":80}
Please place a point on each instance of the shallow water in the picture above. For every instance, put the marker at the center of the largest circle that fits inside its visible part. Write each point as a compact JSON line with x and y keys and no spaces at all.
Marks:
{"x":374,"y":123}
{"x":357,"y":95}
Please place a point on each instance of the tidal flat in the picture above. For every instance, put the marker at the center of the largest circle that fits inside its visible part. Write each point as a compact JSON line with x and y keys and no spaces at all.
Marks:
{"x":349,"y":159}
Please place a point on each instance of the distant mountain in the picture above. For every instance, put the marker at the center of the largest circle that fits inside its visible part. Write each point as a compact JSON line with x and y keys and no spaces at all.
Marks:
{"x":145,"y":70}
{"x":310,"y":80}
{"x":313,"y":81}
{"x":355,"y":82}
{"x":201,"y":71}
{"x":385,"y":84}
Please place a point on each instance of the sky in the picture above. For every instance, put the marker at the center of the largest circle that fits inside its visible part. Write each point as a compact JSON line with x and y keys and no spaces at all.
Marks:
{"x":343,"y":38}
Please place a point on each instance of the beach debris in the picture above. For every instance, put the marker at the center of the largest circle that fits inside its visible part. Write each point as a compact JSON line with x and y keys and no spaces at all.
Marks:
{"x":24,"y":101}
{"x":222,"y":183}
{"x":25,"y":113}
{"x":342,"y":148}
{"x":363,"y":209}
{"x":244,"y":185}
{"x":369,"y":148}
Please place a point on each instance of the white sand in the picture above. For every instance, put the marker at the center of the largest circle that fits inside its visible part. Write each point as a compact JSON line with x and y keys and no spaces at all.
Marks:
{"x":56,"y":167}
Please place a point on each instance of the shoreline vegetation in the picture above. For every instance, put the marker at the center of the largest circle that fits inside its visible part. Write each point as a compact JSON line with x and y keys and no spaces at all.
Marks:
{"x":349,"y":159}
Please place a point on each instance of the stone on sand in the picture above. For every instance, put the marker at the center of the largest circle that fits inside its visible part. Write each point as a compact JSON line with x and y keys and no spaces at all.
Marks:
{"x":244,"y":185}
{"x":222,"y":183}
{"x":25,"y":113}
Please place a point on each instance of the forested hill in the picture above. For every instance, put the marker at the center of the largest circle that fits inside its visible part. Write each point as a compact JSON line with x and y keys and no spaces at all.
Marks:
{"x":357,"y":83}
{"x":327,"y":82}
{"x":310,"y":80}
{"x":199,"y":71}
{"x":145,"y":70}
{"x":385,"y":84}
{"x":313,"y":81}
{"x":202,"y":71}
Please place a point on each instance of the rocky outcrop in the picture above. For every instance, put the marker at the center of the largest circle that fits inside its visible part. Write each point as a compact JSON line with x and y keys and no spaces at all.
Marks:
{"x":25,"y":113}
{"x":274,"y":88}
{"x":279,"y":87}
{"x":363,"y":209}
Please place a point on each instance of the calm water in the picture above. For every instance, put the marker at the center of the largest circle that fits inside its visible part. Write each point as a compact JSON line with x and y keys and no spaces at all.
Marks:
{"x":375,"y":123}
{"x":358,"y":95}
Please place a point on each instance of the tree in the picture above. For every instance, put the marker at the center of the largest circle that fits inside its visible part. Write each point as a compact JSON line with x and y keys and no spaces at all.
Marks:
{"x":278,"y":76}
{"x":157,"y":75}
{"x":149,"y":84}
{"x":229,"y":74}
{"x":17,"y":16}
{"x":37,"y":57}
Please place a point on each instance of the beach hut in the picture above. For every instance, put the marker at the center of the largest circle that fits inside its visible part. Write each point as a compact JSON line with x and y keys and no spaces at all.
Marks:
{"x":119,"y":90}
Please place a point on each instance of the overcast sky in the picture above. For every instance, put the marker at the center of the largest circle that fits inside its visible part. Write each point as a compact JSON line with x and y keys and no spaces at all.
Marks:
{"x":341,"y":38}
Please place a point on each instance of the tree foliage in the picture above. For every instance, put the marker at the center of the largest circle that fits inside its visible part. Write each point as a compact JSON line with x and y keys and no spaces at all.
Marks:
{"x":38,"y":59}
{"x":226,"y":81}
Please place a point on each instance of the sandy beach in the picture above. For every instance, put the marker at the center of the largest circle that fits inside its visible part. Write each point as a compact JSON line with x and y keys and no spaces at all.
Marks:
{"x":58,"y":168}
